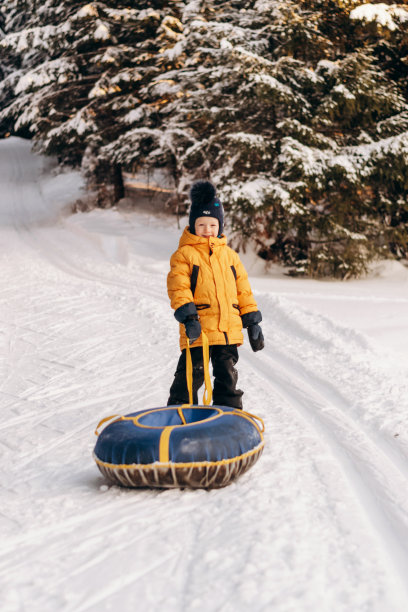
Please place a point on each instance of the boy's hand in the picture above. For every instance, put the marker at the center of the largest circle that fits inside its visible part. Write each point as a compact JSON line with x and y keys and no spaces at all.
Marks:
{"x":193,"y":328}
{"x":251,"y":321}
{"x":256,"y":338}
{"x":187,"y":316}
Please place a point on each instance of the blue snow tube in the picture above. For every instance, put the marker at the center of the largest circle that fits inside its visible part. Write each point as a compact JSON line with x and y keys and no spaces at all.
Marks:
{"x":179,"y":446}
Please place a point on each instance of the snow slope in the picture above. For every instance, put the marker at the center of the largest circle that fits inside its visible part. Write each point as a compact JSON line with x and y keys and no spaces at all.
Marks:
{"x":321,"y":521}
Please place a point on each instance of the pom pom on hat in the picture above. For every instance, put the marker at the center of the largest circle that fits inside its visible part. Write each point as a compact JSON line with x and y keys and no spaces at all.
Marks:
{"x":205,"y":203}
{"x":202,"y":192}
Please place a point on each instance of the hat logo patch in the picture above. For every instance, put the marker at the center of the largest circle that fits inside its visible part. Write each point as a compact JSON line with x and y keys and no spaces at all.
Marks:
{"x":206,"y":212}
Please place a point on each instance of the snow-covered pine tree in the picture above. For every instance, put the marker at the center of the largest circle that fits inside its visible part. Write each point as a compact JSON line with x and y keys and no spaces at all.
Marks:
{"x":289,"y":110}
{"x":384,"y":28}
{"x":2,"y":64}
{"x":6,"y":68}
{"x":342,"y":181}
{"x":294,"y":109}
{"x":78,"y":71}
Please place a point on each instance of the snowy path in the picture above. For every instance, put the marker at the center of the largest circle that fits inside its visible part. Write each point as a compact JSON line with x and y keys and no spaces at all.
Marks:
{"x":320,"y":523}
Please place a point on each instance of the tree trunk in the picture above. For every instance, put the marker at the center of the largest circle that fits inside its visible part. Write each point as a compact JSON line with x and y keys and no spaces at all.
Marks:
{"x":118,"y":186}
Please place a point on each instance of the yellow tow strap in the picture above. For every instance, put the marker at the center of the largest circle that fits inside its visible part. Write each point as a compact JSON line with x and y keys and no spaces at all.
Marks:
{"x":207,"y":379}
{"x":207,"y":397}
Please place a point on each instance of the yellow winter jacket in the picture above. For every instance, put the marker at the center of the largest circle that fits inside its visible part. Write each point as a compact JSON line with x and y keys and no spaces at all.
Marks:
{"x":210,"y":274}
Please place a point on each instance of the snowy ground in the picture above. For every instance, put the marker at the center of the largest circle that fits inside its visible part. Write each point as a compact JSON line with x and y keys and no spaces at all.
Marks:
{"x":321,"y":521}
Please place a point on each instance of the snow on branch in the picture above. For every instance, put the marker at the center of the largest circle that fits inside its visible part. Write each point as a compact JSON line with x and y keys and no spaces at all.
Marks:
{"x":126,"y":14}
{"x":89,"y":10}
{"x":172,"y":53}
{"x":191,"y":9}
{"x":109,"y":85}
{"x":261,"y":190}
{"x":102,"y":31}
{"x":386,"y":15}
{"x":135,"y":115}
{"x":59,"y":70}
{"x":25,"y":109}
{"x":271,"y":85}
{"x":256,"y":141}
{"x":79,"y":124}
{"x":392,"y":124}
{"x":353,"y":163}
{"x":38,"y":38}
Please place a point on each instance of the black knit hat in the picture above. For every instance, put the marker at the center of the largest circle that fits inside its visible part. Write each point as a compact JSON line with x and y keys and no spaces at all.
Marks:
{"x":205,"y":203}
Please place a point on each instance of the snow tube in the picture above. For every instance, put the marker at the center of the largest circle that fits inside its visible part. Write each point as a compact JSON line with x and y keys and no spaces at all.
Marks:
{"x":179,"y":446}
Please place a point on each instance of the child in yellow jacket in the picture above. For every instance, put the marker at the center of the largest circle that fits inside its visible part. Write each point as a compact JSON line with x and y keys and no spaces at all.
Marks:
{"x":209,"y":291}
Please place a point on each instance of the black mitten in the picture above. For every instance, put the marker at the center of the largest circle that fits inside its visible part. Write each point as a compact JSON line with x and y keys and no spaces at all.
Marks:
{"x":187,"y":315}
{"x":193,"y":328}
{"x":250,"y":320}
{"x":256,"y":338}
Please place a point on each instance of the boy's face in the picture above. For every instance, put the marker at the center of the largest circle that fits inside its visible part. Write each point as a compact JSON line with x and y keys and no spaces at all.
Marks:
{"x":206,"y":227}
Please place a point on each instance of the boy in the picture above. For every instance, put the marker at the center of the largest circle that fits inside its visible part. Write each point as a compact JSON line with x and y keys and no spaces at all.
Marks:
{"x":209,"y":290}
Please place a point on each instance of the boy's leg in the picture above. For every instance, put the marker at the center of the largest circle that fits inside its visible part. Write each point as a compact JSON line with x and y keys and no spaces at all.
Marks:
{"x":178,"y":390}
{"x":225,"y":391}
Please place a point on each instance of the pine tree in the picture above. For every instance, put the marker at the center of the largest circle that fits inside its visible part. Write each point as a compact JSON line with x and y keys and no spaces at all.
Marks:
{"x":79,"y":71}
{"x":287,"y":107}
{"x":298,"y":111}
{"x":2,"y":65}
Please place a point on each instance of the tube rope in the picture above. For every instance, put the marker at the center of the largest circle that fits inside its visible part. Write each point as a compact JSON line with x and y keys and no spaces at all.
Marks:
{"x":207,"y":379}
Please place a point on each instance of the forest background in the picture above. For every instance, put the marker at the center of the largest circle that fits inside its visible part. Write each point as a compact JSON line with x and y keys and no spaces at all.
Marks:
{"x":297,"y":111}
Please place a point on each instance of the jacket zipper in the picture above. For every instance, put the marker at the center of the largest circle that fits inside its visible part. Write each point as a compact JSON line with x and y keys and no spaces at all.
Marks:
{"x":211,"y":252}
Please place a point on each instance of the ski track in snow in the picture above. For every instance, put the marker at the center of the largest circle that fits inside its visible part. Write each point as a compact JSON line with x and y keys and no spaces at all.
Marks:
{"x":321,"y":521}
{"x":377,"y":477}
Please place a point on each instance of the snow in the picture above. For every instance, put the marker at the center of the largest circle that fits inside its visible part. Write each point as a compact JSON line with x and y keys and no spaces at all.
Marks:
{"x":121,"y":14}
{"x":98,"y":92}
{"x":253,"y":191}
{"x":310,"y":159}
{"x":56,"y":70}
{"x":321,"y":521}
{"x":174,"y":52}
{"x":102,"y":31}
{"x":272,"y":83}
{"x":80,"y":123}
{"x":164,"y":87}
{"x":30,"y":112}
{"x":109,"y":56}
{"x":148,"y":14}
{"x":256,"y":141}
{"x":225,"y":44}
{"x":327,"y":66}
{"x":255,"y":58}
{"x":354,"y":161}
{"x":382,"y":13}
{"x":37,"y":37}
{"x":192,"y":8}
{"x":344,"y":91}
{"x":89,"y":10}
{"x":135,"y":115}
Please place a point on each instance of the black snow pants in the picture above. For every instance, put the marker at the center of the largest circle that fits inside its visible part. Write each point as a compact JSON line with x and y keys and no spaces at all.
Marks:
{"x":225,"y":392}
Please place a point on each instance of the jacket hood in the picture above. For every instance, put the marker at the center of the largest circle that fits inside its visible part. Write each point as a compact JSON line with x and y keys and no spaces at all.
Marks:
{"x":191,"y":239}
